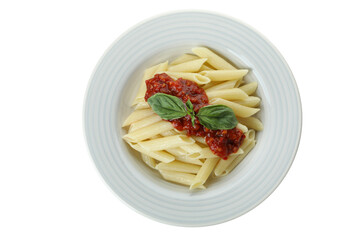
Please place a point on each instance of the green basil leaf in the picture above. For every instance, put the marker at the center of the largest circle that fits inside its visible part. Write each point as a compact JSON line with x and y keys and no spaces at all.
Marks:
{"x":167,"y":106}
{"x":217,"y":117}
{"x":189,"y":106}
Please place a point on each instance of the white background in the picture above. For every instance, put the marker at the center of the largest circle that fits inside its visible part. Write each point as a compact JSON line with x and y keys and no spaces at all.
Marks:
{"x":49,"y":187}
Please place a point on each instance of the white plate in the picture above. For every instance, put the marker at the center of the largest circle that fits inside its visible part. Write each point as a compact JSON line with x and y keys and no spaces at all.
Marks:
{"x":114,"y":84}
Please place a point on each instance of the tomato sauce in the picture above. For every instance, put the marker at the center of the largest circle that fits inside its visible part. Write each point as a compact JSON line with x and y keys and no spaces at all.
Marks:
{"x":221,"y":142}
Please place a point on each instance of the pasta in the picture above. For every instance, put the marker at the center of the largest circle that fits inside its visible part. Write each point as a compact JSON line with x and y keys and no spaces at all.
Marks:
{"x":228,"y":94}
{"x":190,"y":66}
{"x":224,"y":75}
{"x":171,"y":147}
{"x":238,"y":109}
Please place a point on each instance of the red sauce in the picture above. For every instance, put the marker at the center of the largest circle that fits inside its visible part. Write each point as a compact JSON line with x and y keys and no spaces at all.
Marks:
{"x":221,"y":142}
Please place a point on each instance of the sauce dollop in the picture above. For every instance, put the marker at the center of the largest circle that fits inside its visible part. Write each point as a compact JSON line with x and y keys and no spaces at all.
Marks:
{"x":221,"y":142}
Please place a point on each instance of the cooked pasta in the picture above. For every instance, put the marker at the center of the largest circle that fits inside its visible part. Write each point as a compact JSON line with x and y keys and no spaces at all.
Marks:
{"x":175,"y":147}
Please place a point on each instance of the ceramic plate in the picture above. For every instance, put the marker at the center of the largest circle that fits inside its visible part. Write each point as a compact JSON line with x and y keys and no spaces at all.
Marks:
{"x":114,"y":84}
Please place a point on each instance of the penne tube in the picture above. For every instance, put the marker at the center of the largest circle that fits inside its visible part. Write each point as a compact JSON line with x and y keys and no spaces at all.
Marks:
{"x":190,"y":66}
{"x":148,"y":160}
{"x":242,"y":127}
{"x":204,"y":67}
{"x":177,"y":151}
{"x":142,"y":105}
{"x":144,"y":122}
{"x":222,"y":85}
{"x":239,"y":110}
{"x":238,"y":82}
{"x":204,"y":172}
{"x":179,"y":177}
{"x":246,"y":143}
{"x":178,"y":166}
{"x":158,"y":155}
{"x":227,"y":94}
{"x":190,"y":159}
{"x":193,"y":148}
{"x":207,"y":153}
{"x":183,"y":58}
{"x":148,"y":131}
{"x":252,"y":122}
{"x":210,"y":84}
{"x":168,"y":133}
{"x":223,"y":164}
{"x":137,"y":115}
{"x":249,"y":88}
{"x":195,"y":77}
{"x":166,"y":142}
{"x":213,"y":59}
{"x":225,"y":75}
{"x":250,"y":134}
{"x":250,"y":101}
{"x":199,"y":139}
{"x":149,"y":73}
{"x":239,"y":159}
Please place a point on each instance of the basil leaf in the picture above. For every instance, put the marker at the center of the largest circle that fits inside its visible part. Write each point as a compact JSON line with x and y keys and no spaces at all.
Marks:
{"x":217,"y":117}
{"x":189,"y":106}
{"x":167,"y":106}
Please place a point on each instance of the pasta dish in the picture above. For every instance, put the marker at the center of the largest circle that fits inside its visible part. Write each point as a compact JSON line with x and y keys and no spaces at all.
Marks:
{"x":194,"y":118}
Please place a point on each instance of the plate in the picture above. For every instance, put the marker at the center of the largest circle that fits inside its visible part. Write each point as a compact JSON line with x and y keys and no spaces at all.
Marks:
{"x":114,"y":84}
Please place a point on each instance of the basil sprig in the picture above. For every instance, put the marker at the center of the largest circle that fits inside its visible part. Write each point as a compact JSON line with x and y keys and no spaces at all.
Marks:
{"x":191,"y":112}
{"x":213,"y":117}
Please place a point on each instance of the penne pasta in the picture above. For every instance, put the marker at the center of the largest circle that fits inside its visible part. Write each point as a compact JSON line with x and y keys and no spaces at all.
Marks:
{"x":242,"y":127}
{"x":239,"y":110}
{"x":148,"y":160}
{"x":252,"y":122}
{"x":207,"y":153}
{"x":148,"y":131}
{"x":199,"y":139}
{"x":144,"y":122}
{"x":166,"y":142}
{"x":249,"y":88}
{"x":169,"y":133}
{"x":190,"y":66}
{"x":213,"y":59}
{"x":223,"y":164}
{"x":225,"y":75}
{"x":149,"y":73}
{"x":190,"y":159}
{"x":204,"y":67}
{"x":193,"y":148}
{"x":177,"y":151}
{"x":158,"y":155}
{"x":239,"y":159}
{"x":204,"y":172}
{"x":195,"y":77}
{"x":183,"y":58}
{"x":221,"y":86}
{"x":210,"y":84}
{"x":178,"y":166}
{"x":142,"y":105}
{"x":179,"y":177}
{"x":227,"y":94}
{"x":137,"y":115}
{"x":250,"y":101}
